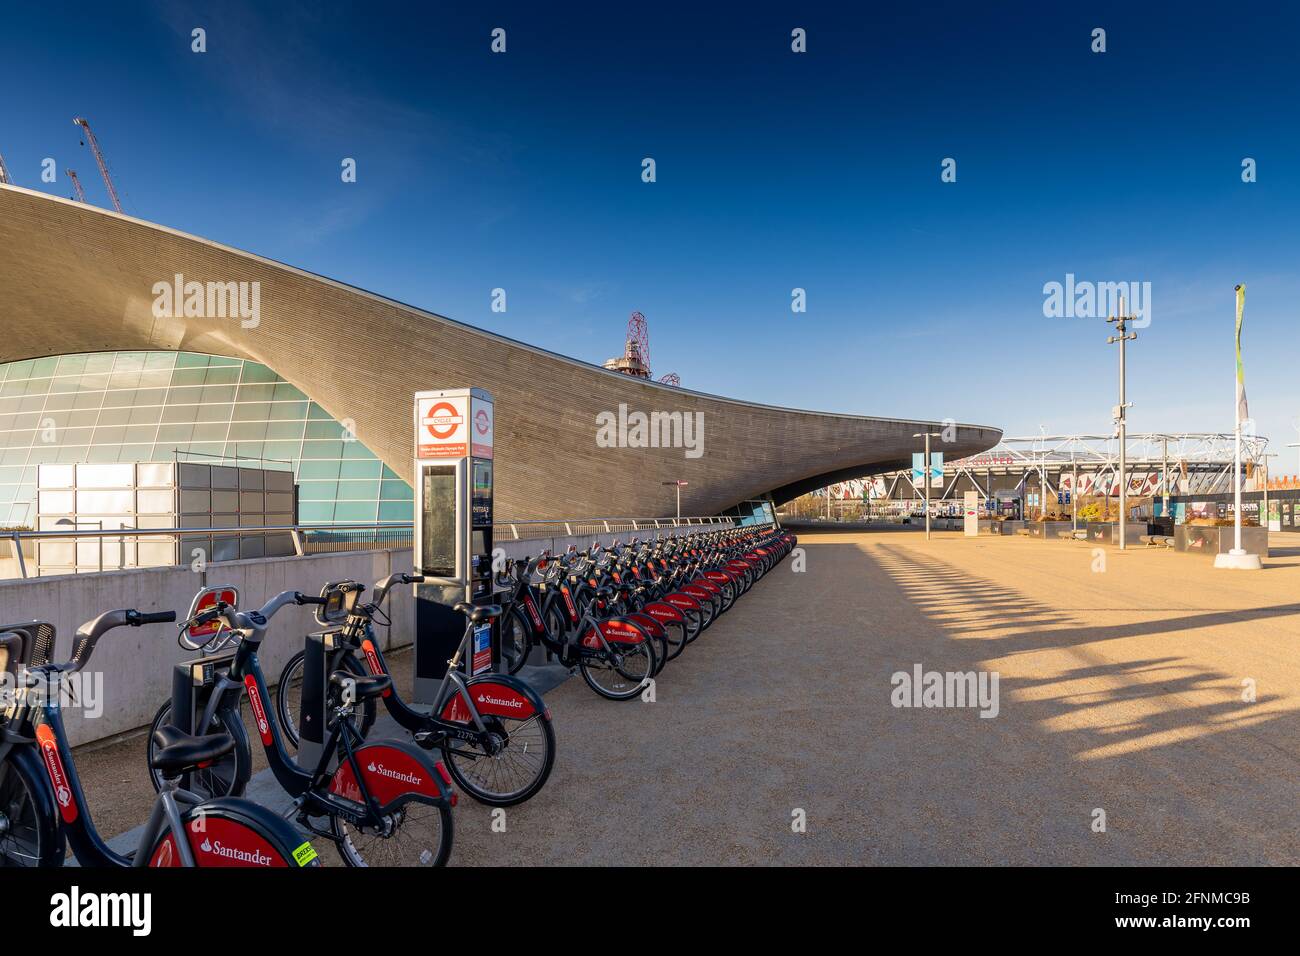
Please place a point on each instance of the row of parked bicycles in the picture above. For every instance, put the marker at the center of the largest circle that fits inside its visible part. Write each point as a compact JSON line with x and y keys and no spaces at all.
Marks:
{"x":617,"y":614}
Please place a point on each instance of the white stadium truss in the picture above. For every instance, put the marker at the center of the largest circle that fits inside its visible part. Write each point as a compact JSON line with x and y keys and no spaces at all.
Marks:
{"x":1187,"y":463}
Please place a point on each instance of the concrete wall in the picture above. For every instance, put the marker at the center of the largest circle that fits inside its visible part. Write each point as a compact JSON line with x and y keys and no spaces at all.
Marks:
{"x":136,"y":662}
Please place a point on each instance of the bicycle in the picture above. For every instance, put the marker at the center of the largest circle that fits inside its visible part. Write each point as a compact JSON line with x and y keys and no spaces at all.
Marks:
{"x":616,"y":656}
{"x":494,"y":731}
{"x":43,"y":808}
{"x":384,"y":803}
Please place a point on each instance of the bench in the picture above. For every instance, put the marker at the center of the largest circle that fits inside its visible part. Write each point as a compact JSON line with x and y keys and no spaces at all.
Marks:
{"x":1024,"y":531}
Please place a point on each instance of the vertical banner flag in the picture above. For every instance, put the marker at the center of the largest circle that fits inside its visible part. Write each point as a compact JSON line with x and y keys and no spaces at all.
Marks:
{"x":1243,"y":412}
{"x":919,"y":469}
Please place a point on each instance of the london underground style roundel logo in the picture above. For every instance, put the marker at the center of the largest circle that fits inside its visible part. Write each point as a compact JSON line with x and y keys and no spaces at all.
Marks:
{"x":442,"y":420}
{"x":481,"y":422}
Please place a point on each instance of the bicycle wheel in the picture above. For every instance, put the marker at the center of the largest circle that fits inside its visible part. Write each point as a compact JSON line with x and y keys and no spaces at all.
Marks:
{"x":674,"y":637}
{"x":22,"y":842}
{"x":419,"y":834}
{"x":288,"y":697}
{"x":556,"y":622}
{"x":515,"y":640}
{"x":693,"y":623}
{"x":512,"y":775}
{"x":622,"y":673}
{"x":228,"y":775}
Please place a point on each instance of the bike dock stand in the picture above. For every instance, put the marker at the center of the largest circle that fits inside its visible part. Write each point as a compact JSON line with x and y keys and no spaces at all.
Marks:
{"x":312,"y":716}
{"x":192,"y":685}
{"x":453,"y":532}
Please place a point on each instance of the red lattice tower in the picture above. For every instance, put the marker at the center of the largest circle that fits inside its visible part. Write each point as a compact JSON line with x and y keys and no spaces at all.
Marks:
{"x":672,"y":378}
{"x":638,"y":341}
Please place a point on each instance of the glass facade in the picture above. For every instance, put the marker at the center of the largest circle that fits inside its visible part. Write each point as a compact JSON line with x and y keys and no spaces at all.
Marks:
{"x":183,"y":406}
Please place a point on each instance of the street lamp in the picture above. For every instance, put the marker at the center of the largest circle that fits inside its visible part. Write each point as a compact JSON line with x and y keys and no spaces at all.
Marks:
{"x":1121,"y":417}
{"x":925,"y":472}
{"x":678,"y":484}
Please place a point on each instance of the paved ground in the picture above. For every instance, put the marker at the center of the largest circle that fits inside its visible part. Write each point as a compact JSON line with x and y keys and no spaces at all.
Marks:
{"x":1120,"y":690}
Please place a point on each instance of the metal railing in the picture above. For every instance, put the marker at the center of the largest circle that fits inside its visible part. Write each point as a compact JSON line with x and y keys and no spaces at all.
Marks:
{"x":353,"y":536}
{"x":580,"y":527}
{"x":306,"y":539}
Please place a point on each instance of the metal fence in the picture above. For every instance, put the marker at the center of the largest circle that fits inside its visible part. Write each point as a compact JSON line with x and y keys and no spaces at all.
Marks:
{"x":321,"y":539}
{"x":580,"y":527}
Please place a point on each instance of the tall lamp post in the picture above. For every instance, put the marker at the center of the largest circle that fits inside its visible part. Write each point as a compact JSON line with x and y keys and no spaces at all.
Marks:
{"x":678,"y":485}
{"x":925,"y":472}
{"x":1121,"y":418}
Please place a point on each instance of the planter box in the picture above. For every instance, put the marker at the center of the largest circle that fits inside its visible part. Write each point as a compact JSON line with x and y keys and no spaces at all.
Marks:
{"x":1048,"y":530}
{"x":1106,"y":532}
{"x":1195,"y":539}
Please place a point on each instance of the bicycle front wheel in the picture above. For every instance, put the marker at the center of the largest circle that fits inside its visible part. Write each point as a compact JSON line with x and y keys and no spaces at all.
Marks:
{"x":623,"y":672}
{"x":24,"y":841}
{"x":419,"y":834}
{"x":288,"y":697}
{"x":515,"y":772}
{"x":515,"y":640}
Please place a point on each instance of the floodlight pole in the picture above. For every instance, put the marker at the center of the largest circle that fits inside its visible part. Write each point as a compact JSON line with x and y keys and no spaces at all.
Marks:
{"x":1121,"y":418}
{"x":925,"y":480}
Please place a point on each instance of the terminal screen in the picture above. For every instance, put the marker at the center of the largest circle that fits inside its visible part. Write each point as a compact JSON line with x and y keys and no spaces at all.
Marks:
{"x":438,"y":521}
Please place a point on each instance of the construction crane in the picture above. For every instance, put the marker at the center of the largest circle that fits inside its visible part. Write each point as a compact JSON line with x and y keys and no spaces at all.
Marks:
{"x":4,"y":172}
{"x":99,"y":159}
{"x":76,"y":184}
{"x":635,"y":360}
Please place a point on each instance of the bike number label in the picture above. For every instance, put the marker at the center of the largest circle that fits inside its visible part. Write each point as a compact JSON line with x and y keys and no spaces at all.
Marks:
{"x":482,"y":658}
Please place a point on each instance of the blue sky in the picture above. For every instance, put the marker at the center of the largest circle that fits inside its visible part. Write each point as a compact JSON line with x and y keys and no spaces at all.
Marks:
{"x":775,"y":171}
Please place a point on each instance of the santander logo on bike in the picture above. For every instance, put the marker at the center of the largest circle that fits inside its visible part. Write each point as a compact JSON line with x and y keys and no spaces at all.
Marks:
{"x":414,"y":779}
{"x":259,"y":714}
{"x":484,"y":698}
{"x":217,"y":848}
{"x":54,"y":767}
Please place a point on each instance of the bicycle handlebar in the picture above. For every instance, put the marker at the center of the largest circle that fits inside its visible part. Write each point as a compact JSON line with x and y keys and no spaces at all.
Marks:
{"x":90,"y":632}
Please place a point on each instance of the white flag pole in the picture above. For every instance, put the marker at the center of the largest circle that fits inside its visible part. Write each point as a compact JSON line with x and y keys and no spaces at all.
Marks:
{"x":1237,"y":556}
{"x":1236,"y":474}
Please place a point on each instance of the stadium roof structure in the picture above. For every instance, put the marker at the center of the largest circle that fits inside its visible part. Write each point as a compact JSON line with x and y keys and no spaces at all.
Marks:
{"x":77,"y":278}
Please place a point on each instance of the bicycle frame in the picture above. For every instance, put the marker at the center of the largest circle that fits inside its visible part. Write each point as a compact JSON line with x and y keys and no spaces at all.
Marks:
{"x":64,"y":801}
{"x":348,"y":791}
{"x":455,"y":707}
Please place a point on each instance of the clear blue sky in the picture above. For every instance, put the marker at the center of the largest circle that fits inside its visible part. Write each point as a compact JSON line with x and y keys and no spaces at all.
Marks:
{"x":775,"y":170}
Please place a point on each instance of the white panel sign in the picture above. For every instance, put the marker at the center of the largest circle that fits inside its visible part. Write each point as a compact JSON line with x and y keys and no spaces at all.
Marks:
{"x":441,"y":427}
{"x":480,"y":428}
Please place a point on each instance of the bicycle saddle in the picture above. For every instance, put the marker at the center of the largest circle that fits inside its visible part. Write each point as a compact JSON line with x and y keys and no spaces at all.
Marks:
{"x":363,"y":687}
{"x":478,"y":613}
{"x":178,"y":752}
